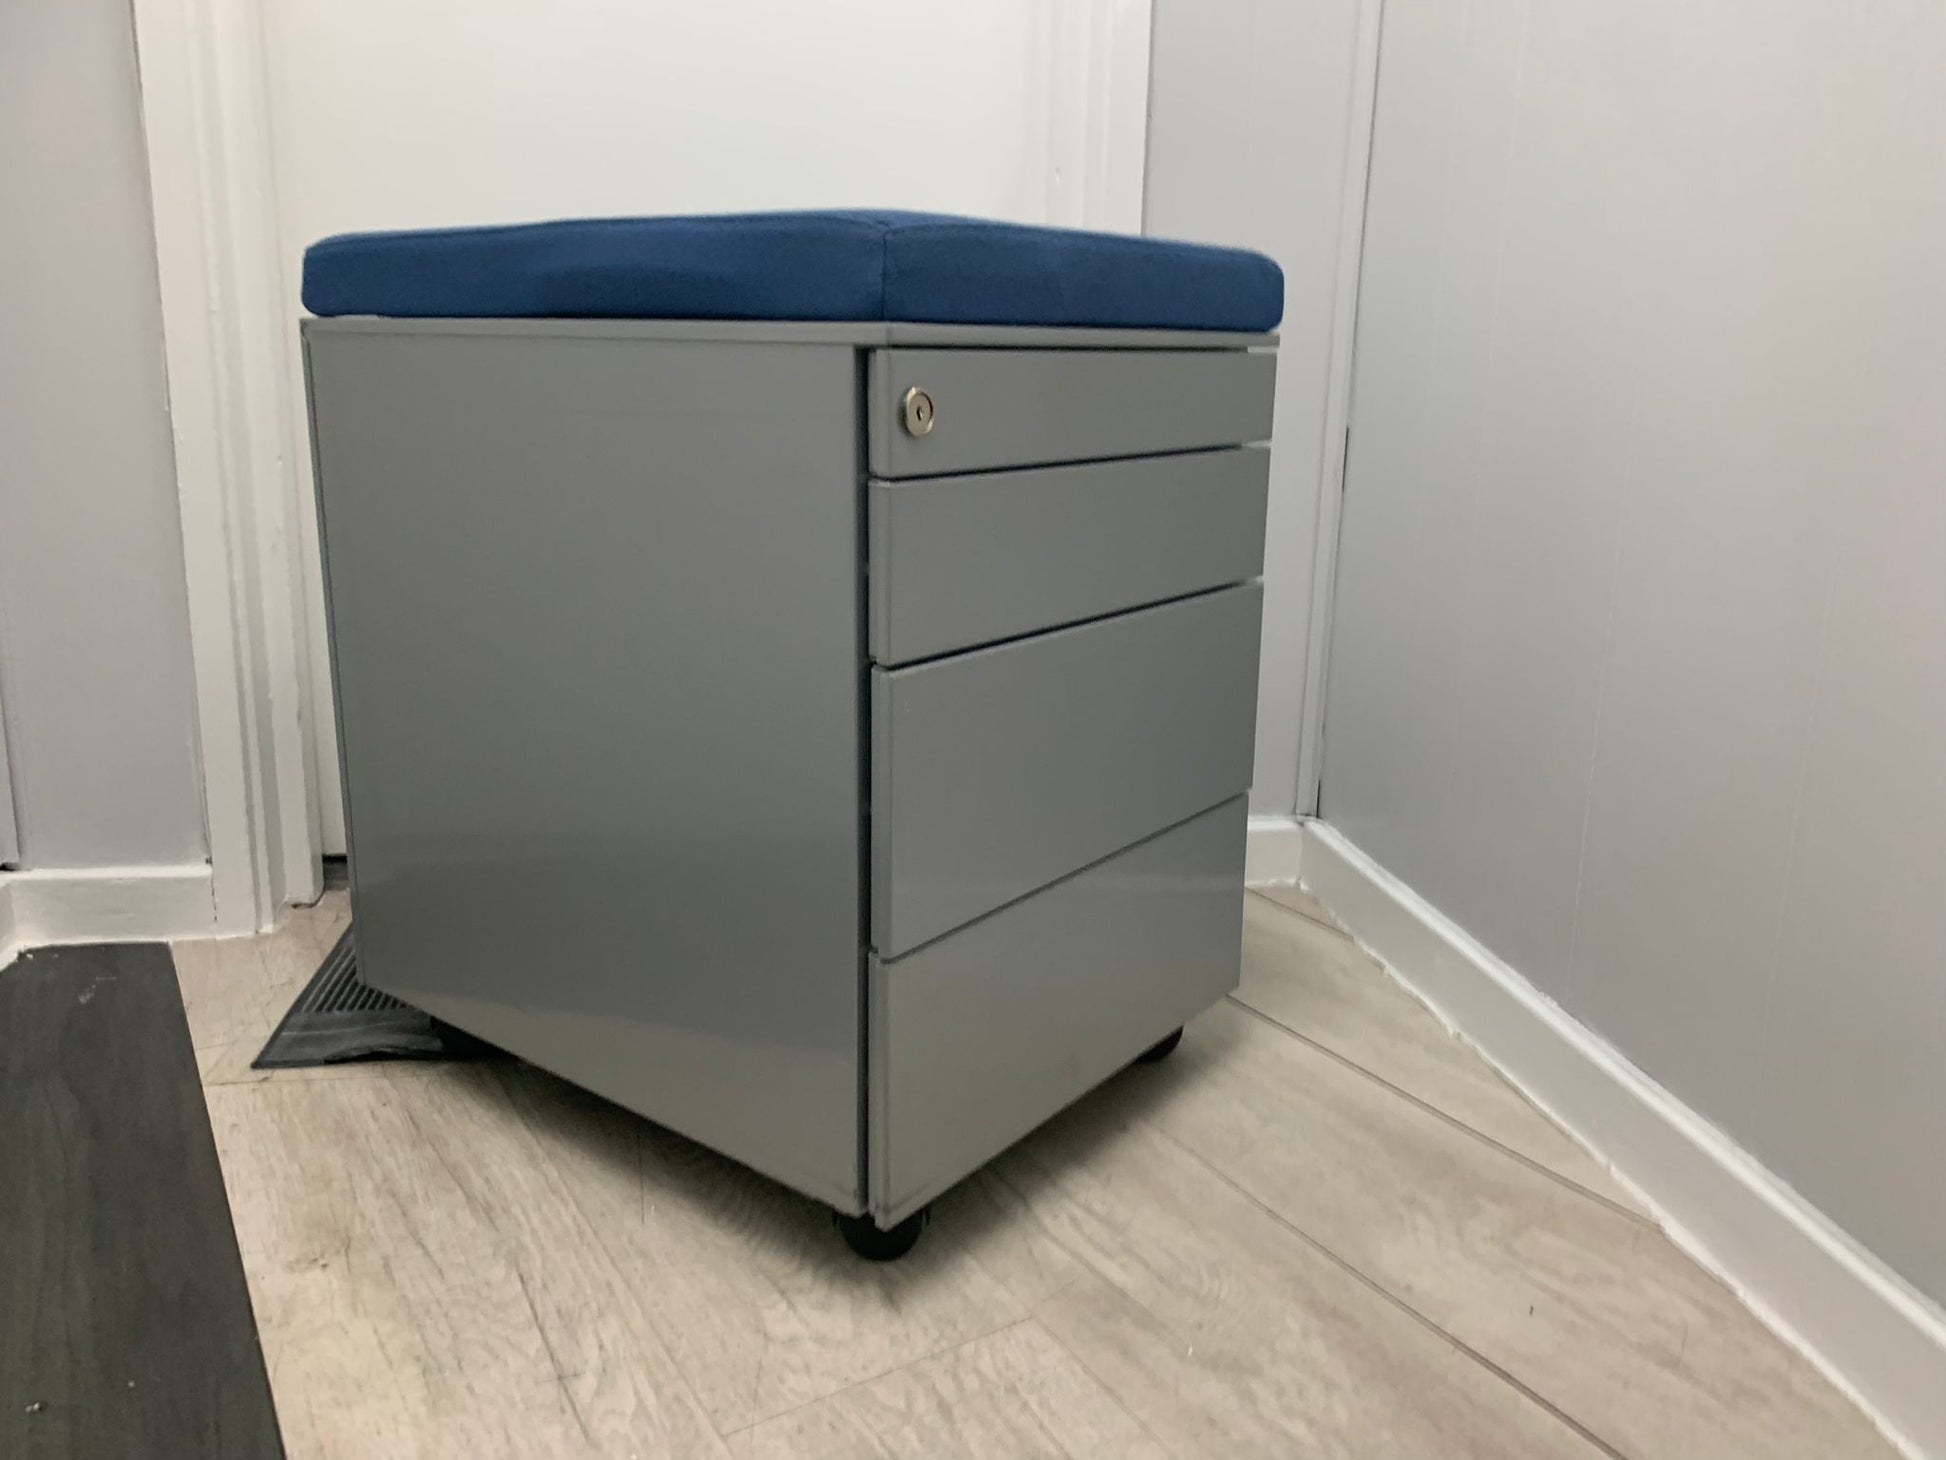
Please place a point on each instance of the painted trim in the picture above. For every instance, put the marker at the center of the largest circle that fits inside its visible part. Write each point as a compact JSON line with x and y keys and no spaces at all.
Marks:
{"x":10,"y":944}
{"x":44,"y":906}
{"x":1098,"y":129}
{"x":1274,"y":851}
{"x":204,"y":120}
{"x":9,"y":827}
{"x":1337,"y":405}
{"x":1877,"y":1337}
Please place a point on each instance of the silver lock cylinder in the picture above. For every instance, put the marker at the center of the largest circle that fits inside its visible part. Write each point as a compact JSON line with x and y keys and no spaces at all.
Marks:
{"x":917,"y":411}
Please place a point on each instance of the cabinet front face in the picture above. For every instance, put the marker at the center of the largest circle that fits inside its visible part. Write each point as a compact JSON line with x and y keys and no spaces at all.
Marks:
{"x":596,"y":631}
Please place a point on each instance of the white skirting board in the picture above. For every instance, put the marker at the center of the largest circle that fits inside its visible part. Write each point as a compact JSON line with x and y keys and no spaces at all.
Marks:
{"x":1272,"y":854}
{"x":1878,"y":1338}
{"x":104,"y":905}
{"x":9,"y":942}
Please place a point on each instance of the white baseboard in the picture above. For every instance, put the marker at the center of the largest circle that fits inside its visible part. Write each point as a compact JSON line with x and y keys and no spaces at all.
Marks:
{"x":44,"y":906}
{"x":9,"y":942}
{"x":1272,"y":855}
{"x":1877,"y":1337}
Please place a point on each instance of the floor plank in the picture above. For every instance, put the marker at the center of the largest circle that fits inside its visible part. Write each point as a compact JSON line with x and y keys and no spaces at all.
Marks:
{"x":425,"y":1279}
{"x":1587,"y":1305}
{"x":1297,"y":900}
{"x":125,"y":1323}
{"x":1219,"y":1328}
{"x":1013,"y":1395}
{"x":1325,"y":987}
{"x":762,"y":1305}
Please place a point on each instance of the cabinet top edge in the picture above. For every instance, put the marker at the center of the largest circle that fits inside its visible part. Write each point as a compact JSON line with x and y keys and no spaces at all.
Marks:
{"x":804,"y":332}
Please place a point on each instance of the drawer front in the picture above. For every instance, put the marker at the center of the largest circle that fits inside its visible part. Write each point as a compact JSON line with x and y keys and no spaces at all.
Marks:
{"x":979,"y":1037}
{"x":995,"y":772}
{"x":965,"y":560}
{"x":1001,"y":408}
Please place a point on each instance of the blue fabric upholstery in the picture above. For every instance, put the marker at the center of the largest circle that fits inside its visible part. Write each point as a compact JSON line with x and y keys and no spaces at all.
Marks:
{"x":829,"y":266}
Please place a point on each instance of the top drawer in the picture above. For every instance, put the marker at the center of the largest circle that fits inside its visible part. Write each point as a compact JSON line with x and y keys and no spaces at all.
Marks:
{"x":1001,"y":408}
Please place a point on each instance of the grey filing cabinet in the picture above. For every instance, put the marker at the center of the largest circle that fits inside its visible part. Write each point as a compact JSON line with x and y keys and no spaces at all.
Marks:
{"x":827,"y":740}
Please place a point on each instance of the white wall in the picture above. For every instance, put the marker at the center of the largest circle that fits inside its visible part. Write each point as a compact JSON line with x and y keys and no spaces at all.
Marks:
{"x":1251,"y":112}
{"x":390,"y":116}
{"x":1639,"y":664}
{"x":94,"y":635}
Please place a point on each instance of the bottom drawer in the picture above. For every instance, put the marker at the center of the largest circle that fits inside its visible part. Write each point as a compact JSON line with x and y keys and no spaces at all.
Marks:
{"x":979,"y":1036}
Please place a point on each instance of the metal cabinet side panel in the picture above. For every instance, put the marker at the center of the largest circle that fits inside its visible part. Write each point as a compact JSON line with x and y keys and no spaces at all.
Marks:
{"x":982,"y":1035}
{"x":1005,"y":408}
{"x":967,"y":560}
{"x":1002,"y":769}
{"x":595,"y":620}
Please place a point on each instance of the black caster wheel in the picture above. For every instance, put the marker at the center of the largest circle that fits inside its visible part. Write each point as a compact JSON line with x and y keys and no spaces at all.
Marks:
{"x":1160,"y":1050}
{"x":881,"y":1244}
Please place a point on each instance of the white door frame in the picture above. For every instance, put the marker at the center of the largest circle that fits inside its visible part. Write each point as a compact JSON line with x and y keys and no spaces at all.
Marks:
{"x":227,"y":343}
{"x":1098,"y":113}
{"x":1337,"y":409}
{"x":225,"y":339}
{"x":9,"y":828}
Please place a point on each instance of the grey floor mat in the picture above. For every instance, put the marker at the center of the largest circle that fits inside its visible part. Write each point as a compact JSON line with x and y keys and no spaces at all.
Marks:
{"x":339,"y":1017}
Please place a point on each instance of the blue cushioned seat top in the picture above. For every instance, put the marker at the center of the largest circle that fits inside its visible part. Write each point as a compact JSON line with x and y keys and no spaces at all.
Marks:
{"x":795,"y":266}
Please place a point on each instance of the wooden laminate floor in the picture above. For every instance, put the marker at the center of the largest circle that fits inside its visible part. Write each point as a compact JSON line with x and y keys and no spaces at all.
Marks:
{"x":1323,"y":1228}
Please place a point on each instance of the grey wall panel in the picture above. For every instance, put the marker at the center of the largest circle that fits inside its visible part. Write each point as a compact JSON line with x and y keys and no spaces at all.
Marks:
{"x":1030,"y":407}
{"x":1852,"y":1092}
{"x":596,"y":635}
{"x":997,"y":771}
{"x":1638,"y":664}
{"x":95,"y":665}
{"x":958,"y":561}
{"x":979,"y":1036}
